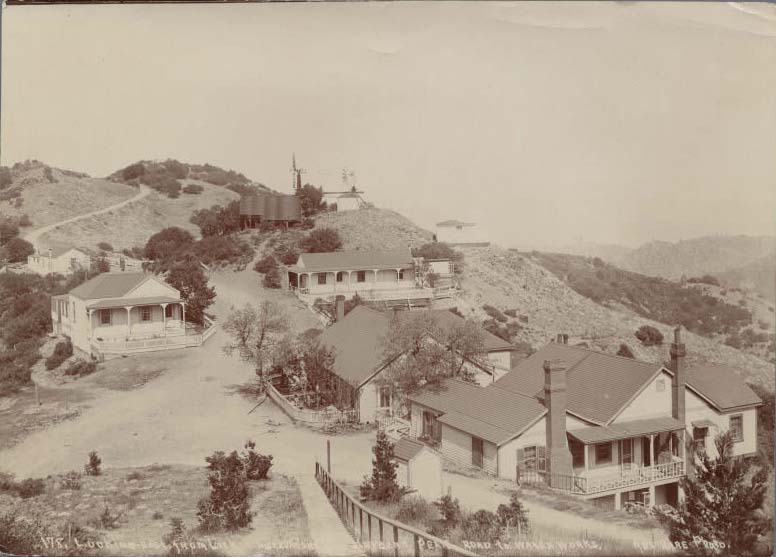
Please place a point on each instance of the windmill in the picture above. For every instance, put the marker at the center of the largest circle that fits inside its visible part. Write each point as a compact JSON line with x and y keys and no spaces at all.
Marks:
{"x":296,"y":180}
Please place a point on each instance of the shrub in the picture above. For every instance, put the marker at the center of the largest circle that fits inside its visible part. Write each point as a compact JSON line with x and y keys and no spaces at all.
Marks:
{"x":271,"y":278}
{"x":135,"y":475}
{"x":71,"y":480}
{"x":20,"y":535}
{"x":92,"y":466}
{"x":157,"y":516}
{"x":256,"y":465}
{"x":450,"y":511}
{"x":382,"y":486}
{"x":25,"y":221}
{"x":415,"y":510}
{"x":31,"y":487}
{"x":286,"y":254}
{"x":510,"y":312}
{"x":177,"y":531}
{"x":193,"y":189}
{"x":705,"y":279}
{"x":649,"y":335}
{"x":80,"y":367}
{"x":169,"y":243}
{"x":62,"y":351}
{"x":308,"y":224}
{"x":264,"y":264}
{"x":321,"y":240}
{"x":107,"y":520}
{"x":481,"y":526}
{"x":495,"y":313}
{"x":17,"y":250}
{"x":311,"y":200}
{"x":105,"y":246}
{"x":227,"y":506}
{"x":625,"y":351}
{"x":222,"y":250}
{"x":513,"y":514}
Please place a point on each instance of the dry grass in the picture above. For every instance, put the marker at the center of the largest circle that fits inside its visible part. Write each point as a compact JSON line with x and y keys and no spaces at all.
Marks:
{"x":145,"y":499}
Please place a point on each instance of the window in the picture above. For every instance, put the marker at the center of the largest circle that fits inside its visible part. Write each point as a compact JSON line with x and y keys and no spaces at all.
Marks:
{"x":603,"y":453}
{"x":340,"y":276}
{"x":168,"y":311}
{"x":431,"y":429}
{"x":477,"y":452}
{"x":660,"y":385}
{"x":577,"y":454}
{"x":401,"y":274}
{"x":105,"y":317}
{"x":360,"y":276}
{"x":532,"y":458}
{"x":737,"y":428}
{"x":385,"y":396}
{"x":145,"y":313}
{"x":321,"y":278}
{"x":699,"y":435}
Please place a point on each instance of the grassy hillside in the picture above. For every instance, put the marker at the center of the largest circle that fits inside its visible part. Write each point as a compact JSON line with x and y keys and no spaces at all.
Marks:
{"x":50,"y":195}
{"x":758,"y":275}
{"x":540,"y":304}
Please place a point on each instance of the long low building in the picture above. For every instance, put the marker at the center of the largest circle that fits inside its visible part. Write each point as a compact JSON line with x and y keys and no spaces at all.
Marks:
{"x":276,"y":209}
{"x":596,"y":425}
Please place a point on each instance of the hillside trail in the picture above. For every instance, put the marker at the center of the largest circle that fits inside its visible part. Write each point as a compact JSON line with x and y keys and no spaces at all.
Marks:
{"x":33,"y":236}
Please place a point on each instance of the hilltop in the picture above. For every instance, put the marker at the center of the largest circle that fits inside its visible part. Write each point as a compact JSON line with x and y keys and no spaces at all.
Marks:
{"x":543,"y":305}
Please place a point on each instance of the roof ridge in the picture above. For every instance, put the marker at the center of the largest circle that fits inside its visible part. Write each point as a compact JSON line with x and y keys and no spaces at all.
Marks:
{"x":591,"y":351}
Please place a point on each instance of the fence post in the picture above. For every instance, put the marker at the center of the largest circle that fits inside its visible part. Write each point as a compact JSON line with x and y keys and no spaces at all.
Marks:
{"x":396,"y":541}
{"x":328,"y":455}
{"x":360,"y":525}
{"x":380,"y":522}
{"x":416,"y":544}
{"x":369,"y":526}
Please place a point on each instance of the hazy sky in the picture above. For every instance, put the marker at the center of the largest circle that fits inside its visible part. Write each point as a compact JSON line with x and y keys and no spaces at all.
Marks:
{"x":545,"y":123}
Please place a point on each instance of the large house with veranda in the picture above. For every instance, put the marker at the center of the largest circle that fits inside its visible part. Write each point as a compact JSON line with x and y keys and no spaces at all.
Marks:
{"x":603,"y":427}
{"x":124,"y":313}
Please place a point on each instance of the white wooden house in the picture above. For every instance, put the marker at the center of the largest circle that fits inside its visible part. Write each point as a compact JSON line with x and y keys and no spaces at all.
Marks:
{"x":596,"y":425}
{"x":62,"y":261}
{"x":418,"y":468}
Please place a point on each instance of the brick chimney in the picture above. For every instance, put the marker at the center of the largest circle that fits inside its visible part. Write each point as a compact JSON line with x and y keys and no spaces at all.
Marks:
{"x":339,"y":305}
{"x":678,"y":352}
{"x":558,"y":454}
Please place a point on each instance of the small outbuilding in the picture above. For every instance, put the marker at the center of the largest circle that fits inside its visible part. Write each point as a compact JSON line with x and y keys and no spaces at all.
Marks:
{"x":419,"y":468}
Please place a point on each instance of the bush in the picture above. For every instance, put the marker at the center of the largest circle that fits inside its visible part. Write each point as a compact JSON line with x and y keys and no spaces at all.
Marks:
{"x":71,"y":480}
{"x":705,"y":279}
{"x":450,"y":511}
{"x":311,"y":200}
{"x":271,"y":278}
{"x":31,"y":487}
{"x":256,"y":465}
{"x":80,"y":367}
{"x":157,"y":516}
{"x":382,"y":486}
{"x":222,"y":250}
{"x":227,"y":506}
{"x":513,"y":515}
{"x":286,"y":254}
{"x":105,"y":246}
{"x":107,"y":520}
{"x":415,"y":510}
{"x":625,"y":351}
{"x":169,"y":243}
{"x":649,"y":335}
{"x":17,"y":250}
{"x":135,"y":476}
{"x":62,"y":351}
{"x":93,"y":465}
{"x":510,"y":312}
{"x":495,"y":313}
{"x":264,"y":264}
{"x":321,"y":240}
{"x":193,"y":189}
{"x":308,"y":224}
{"x":481,"y":526}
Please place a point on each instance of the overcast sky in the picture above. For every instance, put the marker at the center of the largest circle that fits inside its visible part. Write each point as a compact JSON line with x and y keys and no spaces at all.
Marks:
{"x":546,"y":124}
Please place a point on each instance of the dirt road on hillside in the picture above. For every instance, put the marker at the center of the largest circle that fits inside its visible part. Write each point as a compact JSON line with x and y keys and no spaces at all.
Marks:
{"x":33,"y":236}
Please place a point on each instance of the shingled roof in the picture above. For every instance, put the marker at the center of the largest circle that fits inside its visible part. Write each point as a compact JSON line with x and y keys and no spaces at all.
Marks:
{"x":109,"y":285}
{"x":722,"y":387}
{"x":354,"y":260}
{"x":599,"y":384}
{"x":357,"y":340}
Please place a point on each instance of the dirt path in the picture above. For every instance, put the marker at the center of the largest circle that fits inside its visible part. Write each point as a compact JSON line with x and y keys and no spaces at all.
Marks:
{"x":35,"y":235}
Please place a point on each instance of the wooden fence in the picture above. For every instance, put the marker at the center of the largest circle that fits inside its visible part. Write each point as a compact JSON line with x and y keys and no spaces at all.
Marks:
{"x":310,"y":416}
{"x":378,"y":534}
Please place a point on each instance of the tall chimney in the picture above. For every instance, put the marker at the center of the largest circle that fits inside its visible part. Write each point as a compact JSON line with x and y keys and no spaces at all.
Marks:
{"x":339,"y":303}
{"x":558,"y":454}
{"x":678,"y":352}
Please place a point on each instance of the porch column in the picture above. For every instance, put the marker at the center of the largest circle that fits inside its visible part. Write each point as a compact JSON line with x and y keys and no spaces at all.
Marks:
{"x":398,"y":273}
{"x":376,"y":271}
{"x":350,"y":280}
{"x":618,"y":501}
{"x":586,"y":457}
{"x":652,"y":495}
{"x":129,"y":319}
{"x":652,"y":450}
{"x":91,"y":326}
{"x":164,"y":318}
{"x":183,"y":310}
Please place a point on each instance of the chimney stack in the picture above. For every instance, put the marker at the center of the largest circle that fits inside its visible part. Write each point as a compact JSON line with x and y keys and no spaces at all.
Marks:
{"x":678,"y":352}
{"x":339,"y":304}
{"x":562,"y":338}
{"x":558,"y":454}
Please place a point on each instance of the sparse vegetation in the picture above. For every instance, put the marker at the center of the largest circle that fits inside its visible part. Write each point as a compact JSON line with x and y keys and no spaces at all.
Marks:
{"x":30,"y":487}
{"x":105,"y":246}
{"x":649,"y":335}
{"x":71,"y":481}
{"x":93,"y":465}
{"x":264,"y":264}
{"x":705,"y":279}
{"x":625,"y":351}
{"x":495,"y":313}
{"x":62,"y":351}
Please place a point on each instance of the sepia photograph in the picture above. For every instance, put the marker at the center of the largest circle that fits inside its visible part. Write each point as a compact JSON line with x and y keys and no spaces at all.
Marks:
{"x":387,"y":279}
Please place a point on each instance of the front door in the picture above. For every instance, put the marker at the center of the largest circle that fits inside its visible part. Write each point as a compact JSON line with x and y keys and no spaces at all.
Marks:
{"x":645,"y":451}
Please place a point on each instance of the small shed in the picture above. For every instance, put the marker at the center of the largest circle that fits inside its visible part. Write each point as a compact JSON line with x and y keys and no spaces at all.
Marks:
{"x":419,"y":468}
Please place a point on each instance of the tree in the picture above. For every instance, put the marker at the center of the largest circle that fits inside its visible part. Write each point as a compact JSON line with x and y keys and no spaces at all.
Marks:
{"x":169,"y":243}
{"x":722,"y":504}
{"x":8,"y":230}
{"x":188,"y":277}
{"x":6,"y":178}
{"x":649,"y":335}
{"x":513,"y":515}
{"x":227,"y":507}
{"x":321,"y":240}
{"x":256,"y":334}
{"x":466,"y":341}
{"x":218,"y":220}
{"x":625,"y":351}
{"x":17,"y":250}
{"x":382,"y":486}
{"x":271,"y":278}
{"x":311,"y":200}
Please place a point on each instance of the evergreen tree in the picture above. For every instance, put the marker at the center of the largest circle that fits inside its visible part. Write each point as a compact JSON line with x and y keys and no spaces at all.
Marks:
{"x":382,"y":485}
{"x":722,"y":505}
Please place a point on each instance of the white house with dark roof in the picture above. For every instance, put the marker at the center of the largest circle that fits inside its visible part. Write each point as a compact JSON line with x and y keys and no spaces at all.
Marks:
{"x":62,"y":261}
{"x":592,"y":424}
{"x":124,"y":313}
{"x":360,"y":363}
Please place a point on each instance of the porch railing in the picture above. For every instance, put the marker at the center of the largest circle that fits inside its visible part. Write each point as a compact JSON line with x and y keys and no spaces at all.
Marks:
{"x":165,"y":342}
{"x":378,"y":534}
{"x":596,"y":484}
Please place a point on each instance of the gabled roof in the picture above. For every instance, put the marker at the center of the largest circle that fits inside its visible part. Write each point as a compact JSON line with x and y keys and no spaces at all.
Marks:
{"x":357,"y":340}
{"x":124,"y":302}
{"x":490,"y":413}
{"x":405,"y":449}
{"x":623,"y":430}
{"x":59,"y":251}
{"x":354,"y":260}
{"x":109,"y":285}
{"x":722,"y":387}
{"x":599,"y":385}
